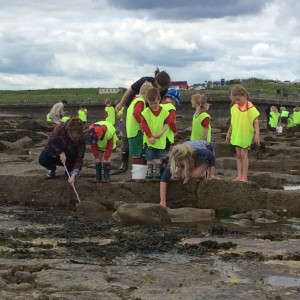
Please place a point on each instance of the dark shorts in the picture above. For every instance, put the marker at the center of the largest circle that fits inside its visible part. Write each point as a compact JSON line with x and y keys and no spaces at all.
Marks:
{"x":152,"y":153}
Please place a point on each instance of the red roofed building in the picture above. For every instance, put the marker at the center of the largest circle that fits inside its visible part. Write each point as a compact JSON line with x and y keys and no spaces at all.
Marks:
{"x":183,"y":85}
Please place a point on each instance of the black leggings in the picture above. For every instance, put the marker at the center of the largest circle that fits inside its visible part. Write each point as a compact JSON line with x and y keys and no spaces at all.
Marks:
{"x":47,"y":160}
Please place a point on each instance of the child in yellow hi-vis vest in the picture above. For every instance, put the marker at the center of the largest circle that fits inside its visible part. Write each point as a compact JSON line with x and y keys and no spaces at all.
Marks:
{"x":103,"y":140}
{"x":243,"y":129}
{"x":274,"y":119}
{"x":82,"y":113}
{"x":110,"y":114}
{"x":133,"y":124}
{"x":201,"y":129}
{"x":154,"y":126}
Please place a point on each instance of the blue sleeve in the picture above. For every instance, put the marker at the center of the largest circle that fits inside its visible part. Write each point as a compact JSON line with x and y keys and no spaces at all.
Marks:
{"x":165,"y":177}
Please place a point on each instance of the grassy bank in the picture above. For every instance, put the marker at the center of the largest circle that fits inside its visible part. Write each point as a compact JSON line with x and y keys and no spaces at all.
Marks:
{"x":89,"y":95}
{"x":81,"y":95}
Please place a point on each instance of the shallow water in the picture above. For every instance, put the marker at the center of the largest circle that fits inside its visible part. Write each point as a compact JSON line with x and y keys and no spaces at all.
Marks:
{"x":285,"y":281}
{"x":291,"y":187}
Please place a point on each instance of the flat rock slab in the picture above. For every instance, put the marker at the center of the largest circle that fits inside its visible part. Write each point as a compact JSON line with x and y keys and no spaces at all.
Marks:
{"x":190,"y":214}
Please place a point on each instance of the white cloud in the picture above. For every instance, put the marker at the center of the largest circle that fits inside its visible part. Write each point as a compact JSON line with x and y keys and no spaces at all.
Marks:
{"x":90,"y":43}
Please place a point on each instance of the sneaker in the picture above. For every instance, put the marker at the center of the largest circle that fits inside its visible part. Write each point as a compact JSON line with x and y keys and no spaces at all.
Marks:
{"x":51,"y":173}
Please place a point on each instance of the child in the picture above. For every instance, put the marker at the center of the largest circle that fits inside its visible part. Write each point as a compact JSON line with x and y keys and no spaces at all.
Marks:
{"x":169,"y":102}
{"x":162,"y":81}
{"x":244,"y":125}
{"x":201,"y":129}
{"x":65,"y":118}
{"x":284,"y":114}
{"x":273,"y":119}
{"x":103,"y":140}
{"x":154,"y":127}
{"x":188,"y":160}
{"x":294,"y":118}
{"x":134,"y":125}
{"x":110,"y":114}
{"x":82,"y":113}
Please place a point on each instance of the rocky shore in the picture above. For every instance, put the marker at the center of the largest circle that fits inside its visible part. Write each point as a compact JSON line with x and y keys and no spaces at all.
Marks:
{"x":239,"y":240}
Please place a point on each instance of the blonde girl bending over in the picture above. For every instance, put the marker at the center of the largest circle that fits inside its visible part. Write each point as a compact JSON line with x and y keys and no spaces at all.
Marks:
{"x":188,"y":160}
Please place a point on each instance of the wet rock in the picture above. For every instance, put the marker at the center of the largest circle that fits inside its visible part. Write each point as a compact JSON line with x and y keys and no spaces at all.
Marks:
{"x":92,"y":210}
{"x":262,"y":214}
{"x":264,"y":221}
{"x":268,"y":180}
{"x":187,"y":214}
{"x":240,"y":216}
{"x":21,"y":143}
{"x":284,"y":201}
{"x":141,"y":214}
{"x":227,"y":193}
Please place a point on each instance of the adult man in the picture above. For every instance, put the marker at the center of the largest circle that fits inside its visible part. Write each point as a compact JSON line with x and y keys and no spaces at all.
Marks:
{"x":57,"y":111}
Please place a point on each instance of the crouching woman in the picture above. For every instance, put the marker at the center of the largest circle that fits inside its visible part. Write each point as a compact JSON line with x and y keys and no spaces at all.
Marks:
{"x":65,"y":147}
{"x":192,"y":159}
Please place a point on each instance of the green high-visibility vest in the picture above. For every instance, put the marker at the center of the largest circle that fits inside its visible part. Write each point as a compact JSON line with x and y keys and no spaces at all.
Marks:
{"x":242,"y":126}
{"x":111,"y":115}
{"x":48,"y":118}
{"x":65,"y":119}
{"x":274,"y":119}
{"x":82,"y":114}
{"x":155,"y":124}
{"x":296,"y":117}
{"x":109,"y":134}
{"x":284,"y":114}
{"x":169,"y":133}
{"x":132,"y":125}
{"x":198,"y":129}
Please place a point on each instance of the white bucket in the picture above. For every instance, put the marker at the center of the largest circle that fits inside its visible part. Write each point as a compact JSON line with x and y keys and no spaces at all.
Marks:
{"x":139,"y":171}
{"x":279,"y":129}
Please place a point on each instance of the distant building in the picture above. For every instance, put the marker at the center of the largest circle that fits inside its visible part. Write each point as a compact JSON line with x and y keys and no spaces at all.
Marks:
{"x":182,"y":85}
{"x":110,"y":90}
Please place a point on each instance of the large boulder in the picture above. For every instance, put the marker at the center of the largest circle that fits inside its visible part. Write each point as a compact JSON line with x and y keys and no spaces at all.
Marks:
{"x":141,"y":214}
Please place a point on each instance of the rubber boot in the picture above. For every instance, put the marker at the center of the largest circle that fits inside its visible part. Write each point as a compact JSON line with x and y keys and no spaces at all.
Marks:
{"x":124,"y":165}
{"x":149,"y":174}
{"x":156,"y":171}
{"x":106,"y":171}
{"x":98,"y":172}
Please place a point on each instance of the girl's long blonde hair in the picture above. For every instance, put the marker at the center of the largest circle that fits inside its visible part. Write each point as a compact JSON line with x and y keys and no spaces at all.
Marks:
{"x":181,"y":161}
{"x":274,"y":109}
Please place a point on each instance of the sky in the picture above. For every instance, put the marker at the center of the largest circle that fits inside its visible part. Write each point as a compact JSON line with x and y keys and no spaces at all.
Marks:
{"x":112,"y":43}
